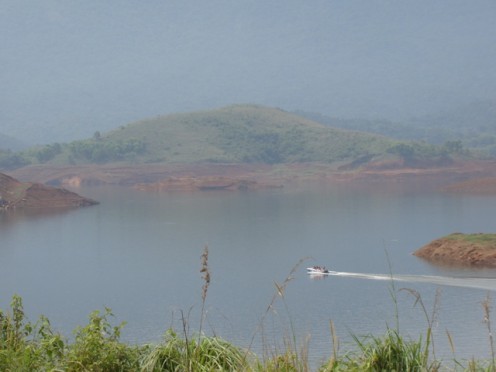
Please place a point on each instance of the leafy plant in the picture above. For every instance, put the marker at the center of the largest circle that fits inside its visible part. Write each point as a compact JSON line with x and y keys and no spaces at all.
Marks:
{"x":24,"y":346}
{"x":97,"y":347}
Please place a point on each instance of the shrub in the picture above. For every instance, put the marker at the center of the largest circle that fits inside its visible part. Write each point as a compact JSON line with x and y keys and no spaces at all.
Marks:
{"x":97,"y":347}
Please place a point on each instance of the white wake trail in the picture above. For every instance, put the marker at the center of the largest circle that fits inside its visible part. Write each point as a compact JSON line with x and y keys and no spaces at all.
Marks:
{"x":470,"y":282}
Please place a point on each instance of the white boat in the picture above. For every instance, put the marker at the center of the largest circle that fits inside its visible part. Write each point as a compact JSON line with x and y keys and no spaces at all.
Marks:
{"x":317,"y":270}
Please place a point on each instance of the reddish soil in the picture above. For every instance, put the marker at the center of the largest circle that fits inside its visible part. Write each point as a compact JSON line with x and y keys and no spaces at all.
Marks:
{"x":482,"y":186}
{"x":15,"y":194}
{"x":204,"y":183}
{"x":449,"y":251}
{"x":131,"y":175}
{"x":457,"y":177}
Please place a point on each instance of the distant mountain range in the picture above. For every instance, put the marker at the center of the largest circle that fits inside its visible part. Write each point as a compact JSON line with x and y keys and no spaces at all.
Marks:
{"x":473,"y":124}
{"x":10,"y":143}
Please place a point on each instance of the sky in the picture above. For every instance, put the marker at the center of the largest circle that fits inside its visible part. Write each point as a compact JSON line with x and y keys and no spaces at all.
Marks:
{"x":71,"y":67}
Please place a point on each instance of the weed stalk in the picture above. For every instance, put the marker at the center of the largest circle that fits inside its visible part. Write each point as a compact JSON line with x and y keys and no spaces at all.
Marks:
{"x":486,"y":305}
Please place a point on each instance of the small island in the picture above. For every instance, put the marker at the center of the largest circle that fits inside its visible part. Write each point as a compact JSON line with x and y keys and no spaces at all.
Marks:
{"x":27,"y":195}
{"x":476,"y":250}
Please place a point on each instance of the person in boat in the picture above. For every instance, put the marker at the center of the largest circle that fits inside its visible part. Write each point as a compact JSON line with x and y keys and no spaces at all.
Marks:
{"x":321,"y":269}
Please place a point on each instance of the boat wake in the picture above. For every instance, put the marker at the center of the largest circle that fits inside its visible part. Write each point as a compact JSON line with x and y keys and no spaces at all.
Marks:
{"x":469,"y":282}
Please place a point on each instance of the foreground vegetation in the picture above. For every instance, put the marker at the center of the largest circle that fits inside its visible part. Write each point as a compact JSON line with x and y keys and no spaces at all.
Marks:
{"x":25,"y":346}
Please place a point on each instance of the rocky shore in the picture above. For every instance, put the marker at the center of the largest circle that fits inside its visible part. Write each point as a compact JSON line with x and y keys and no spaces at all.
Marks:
{"x":462,"y":177}
{"x":15,"y":194}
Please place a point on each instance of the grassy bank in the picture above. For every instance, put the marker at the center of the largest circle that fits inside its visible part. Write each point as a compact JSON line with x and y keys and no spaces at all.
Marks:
{"x":488,"y":241}
{"x":96,"y":346}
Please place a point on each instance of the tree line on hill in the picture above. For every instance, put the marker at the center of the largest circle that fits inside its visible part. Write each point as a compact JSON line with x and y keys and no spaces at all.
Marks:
{"x":256,"y":134}
{"x":473,"y":125}
{"x":85,"y":151}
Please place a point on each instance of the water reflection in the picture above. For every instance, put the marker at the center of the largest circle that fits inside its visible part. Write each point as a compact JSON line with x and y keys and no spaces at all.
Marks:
{"x":13,"y":216}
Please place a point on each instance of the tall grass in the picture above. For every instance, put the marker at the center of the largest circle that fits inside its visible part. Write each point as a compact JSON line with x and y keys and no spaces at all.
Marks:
{"x":391,"y":351}
{"x":292,"y":357}
{"x":430,"y":320}
{"x":486,"y":305}
{"x":201,"y":353}
{"x":205,"y":354}
{"x":26,"y":346}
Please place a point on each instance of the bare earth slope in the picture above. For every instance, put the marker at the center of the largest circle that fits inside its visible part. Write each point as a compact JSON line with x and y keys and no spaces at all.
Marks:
{"x":165,"y":176}
{"x":16,"y":194}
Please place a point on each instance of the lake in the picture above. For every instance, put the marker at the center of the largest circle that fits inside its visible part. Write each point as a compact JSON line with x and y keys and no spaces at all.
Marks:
{"x":139,"y":254}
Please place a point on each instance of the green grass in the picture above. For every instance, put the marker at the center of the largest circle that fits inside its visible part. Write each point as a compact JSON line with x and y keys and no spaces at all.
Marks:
{"x":488,"y":240}
{"x":391,"y":352}
{"x":180,"y":354}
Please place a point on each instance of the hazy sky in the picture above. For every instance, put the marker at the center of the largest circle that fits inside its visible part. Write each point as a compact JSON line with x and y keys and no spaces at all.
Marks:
{"x":70,"y":67}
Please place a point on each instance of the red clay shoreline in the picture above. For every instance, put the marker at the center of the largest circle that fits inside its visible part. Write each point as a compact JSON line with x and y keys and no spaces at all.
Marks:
{"x":461,"y":177}
{"x":454,"y":250}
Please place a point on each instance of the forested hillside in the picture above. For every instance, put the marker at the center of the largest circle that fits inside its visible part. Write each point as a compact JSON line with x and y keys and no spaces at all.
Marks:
{"x":474,"y":125}
{"x":234,"y":134}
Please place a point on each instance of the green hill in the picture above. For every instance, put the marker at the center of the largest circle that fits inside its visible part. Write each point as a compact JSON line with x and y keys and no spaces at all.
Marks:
{"x":234,"y":134}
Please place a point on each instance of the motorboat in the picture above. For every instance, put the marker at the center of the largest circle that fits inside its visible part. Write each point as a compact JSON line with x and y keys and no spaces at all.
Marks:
{"x":317,"y":270}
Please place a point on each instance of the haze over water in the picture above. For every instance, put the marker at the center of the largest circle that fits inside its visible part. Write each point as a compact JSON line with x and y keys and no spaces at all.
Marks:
{"x":139,"y":254}
{"x":72,"y":68}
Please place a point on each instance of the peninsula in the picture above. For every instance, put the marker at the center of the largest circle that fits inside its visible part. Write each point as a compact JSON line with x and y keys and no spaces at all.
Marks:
{"x":15,"y":194}
{"x":477,"y":250}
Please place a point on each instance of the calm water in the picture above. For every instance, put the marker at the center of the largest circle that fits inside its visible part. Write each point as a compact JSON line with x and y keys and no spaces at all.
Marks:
{"x":139,"y":254}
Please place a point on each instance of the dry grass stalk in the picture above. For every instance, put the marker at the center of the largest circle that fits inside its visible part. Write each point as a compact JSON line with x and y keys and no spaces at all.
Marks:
{"x":486,"y":305}
{"x":280,"y":289}
{"x":206,"y":283}
{"x":206,"y":273}
{"x":430,"y":319}
{"x":335,"y":341}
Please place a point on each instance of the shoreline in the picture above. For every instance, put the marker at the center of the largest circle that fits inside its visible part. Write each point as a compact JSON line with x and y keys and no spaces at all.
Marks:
{"x":476,"y":177}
